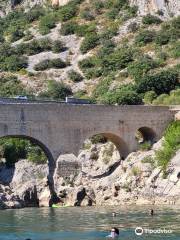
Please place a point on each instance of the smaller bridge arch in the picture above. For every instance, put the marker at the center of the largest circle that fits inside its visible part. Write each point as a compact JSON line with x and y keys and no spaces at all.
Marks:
{"x":146,"y":134}
{"x":120,"y":144}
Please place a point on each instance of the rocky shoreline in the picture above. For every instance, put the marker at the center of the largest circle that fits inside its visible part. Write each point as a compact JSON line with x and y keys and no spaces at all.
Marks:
{"x":102,"y":179}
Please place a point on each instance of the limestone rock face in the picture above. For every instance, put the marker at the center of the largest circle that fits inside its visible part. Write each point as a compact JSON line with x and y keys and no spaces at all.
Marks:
{"x":29,"y":4}
{"x":168,"y":7}
{"x":59,"y":2}
{"x":135,"y":180}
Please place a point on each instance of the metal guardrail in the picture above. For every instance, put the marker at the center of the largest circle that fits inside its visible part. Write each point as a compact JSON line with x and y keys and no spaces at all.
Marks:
{"x":23,"y":101}
{"x":36,"y":101}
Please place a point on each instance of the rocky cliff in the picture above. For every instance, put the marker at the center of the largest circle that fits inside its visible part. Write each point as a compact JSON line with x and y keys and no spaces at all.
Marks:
{"x":168,"y":8}
{"x":103,"y":180}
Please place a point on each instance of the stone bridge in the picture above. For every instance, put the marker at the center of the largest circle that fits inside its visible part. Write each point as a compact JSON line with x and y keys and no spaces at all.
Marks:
{"x":61,"y":128}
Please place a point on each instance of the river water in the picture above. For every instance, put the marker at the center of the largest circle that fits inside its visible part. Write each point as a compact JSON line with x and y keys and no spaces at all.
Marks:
{"x":88,"y":223}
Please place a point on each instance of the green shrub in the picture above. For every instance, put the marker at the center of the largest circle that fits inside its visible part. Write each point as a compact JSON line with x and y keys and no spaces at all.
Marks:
{"x":106,"y":49}
{"x":149,"y":159}
{"x":172,"y":28}
{"x":87,"y":63}
{"x":6,"y":51}
{"x":56,"y":90}
{"x":46,"y":23}
{"x":165,"y":99}
{"x":28,"y":36}
{"x":144,"y":37}
{"x":68,"y":28}
{"x":85,"y":29}
{"x":102,"y":88}
{"x":36,"y":155}
{"x":45,"y":44}
{"x":75,"y":76}
{"x":93,"y":73}
{"x":58,"y":46}
{"x":175,"y":50}
{"x":35,"y":14}
{"x":170,"y":145}
{"x":149,"y":97}
{"x":151,"y":19}
{"x":57,"y":63}
{"x":87,"y":14}
{"x":145,"y":146}
{"x":14,"y":149}
{"x":122,"y":96}
{"x":15,"y":33}
{"x":67,"y":11}
{"x":90,"y":41}
{"x":170,"y":32}
{"x":132,"y":11}
{"x":10,"y":59}
{"x":49,"y":63}
{"x":80,"y":94}
{"x":98,"y":139}
{"x":43,"y":65}
{"x":117,"y":60}
{"x":10,"y":86}
{"x":112,"y":13}
{"x":13,"y":25}
{"x":13,"y":63}
{"x":162,"y":37}
{"x":109,"y":33}
{"x":119,"y":4}
{"x":34,"y":47}
{"x":140,"y":67}
{"x":37,"y":46}
{"x":136,"y":171}
{"x":162,"y":82}
{"x":98,"y":5}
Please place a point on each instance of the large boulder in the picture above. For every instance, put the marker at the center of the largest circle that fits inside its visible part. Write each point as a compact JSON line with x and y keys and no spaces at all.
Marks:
{"x":29,"y":181}
{"x":26,"y":172}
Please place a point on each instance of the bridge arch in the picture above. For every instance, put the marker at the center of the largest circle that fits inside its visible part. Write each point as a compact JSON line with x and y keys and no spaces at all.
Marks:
{"x":120,"y":144}
{"x":51,"y":161}
{"x":145,"y":134}
{"x":36,"y":142}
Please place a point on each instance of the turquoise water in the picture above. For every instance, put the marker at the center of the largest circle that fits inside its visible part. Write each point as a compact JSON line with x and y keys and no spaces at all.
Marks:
{"x":91,"y":223}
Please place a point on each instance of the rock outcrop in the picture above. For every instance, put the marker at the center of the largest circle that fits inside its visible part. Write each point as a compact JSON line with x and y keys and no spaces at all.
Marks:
{"x":59,"y":2}
{"x":100,"y":181}
{"x":168,"y":8}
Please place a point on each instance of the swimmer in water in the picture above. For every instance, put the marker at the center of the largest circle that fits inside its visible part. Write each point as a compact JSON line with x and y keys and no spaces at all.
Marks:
{"x":151,"y":212}
{"x":114,"y":214}
{"x":114,"y":233}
